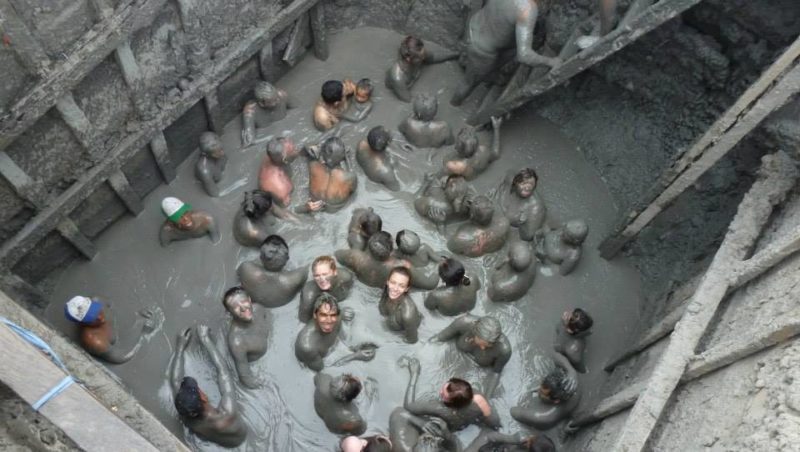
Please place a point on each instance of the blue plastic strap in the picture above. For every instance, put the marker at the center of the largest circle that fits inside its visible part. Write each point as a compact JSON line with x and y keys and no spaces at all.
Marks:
{"x":54,"y":391}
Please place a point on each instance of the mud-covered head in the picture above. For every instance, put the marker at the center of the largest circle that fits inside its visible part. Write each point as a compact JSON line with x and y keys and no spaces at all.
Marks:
{"x":256,"y":204}
{"x":378,"y":138}
{"x":456,"y":393}
{"x":520,"y":256}
{"x":576,"y":321}
{"x":466,"y":142}
{"x":412,"y":50}
{"x":326,"y":312}
{"x":323,"y":269}
{"x":575,"y":232}
{"x":267,"y":96}
{"x":524,"y":182}
{"x":364,"y":88}
{"x":378,"y":443}
{"x":481,"y":210}
{"x":398,"y":283}
{"x":557,"y":387}
{"x":238,"y":303}
{"x":425,"y":106}
{"x":210,"y":145}
{"x":332,"y":92}
{"x":456,"y":190}
{"x":333,"y":151}
{"x":533,"y":443}
{"x":433,"y":441}
{"x":485,"y":332}
{"x":279,"y":148}
{"x":380,"y":245}
{"x":274,"y":253}
{"x":407,"y":241}
{"x":190,"y":401}
{"x":345,"y":388}
{"x":371,"y":223}
{"x":452,"y":272}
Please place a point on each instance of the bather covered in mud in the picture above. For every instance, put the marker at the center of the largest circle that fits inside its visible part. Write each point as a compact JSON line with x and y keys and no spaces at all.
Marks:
{"x":397,"y":307}
{"x":459,"y":293}
{"x":332,"y":180}
{"x":406,"y":70}
{"x":267,"y":283}
{"x":327,"y":278}
{"x":491,"y":441}
{"x":485,"y":233}
{"x":270,"y":105}
{"x":412,"y":433}
{"x":374,"y":156}
{"x":363,"y":224}
{"x":372,"y":266}
{"x":420,"y":129}
{"x":275,"y":174}
{"x":211,"y":163}
{"x":571,"y":334}
{"x":254,"y":221}
{"x":470,"y":158}
{"x":513,"y":276}
{"x":443,"y":203}
{"x":333,"y":104}
{"x":333,"y":402}
{"x":183,"y":223}
{"x":557,"y":396}
{"x":424,"y":261}
{"x":521,"y":204}
{"x":248,"y":334}
{"x":562,"y":246}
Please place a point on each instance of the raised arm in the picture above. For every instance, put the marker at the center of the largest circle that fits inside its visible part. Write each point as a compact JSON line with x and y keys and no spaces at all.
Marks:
{"x":248,"y":123}
{"x":227,"y":402}
{"x":456,"y":328}
{"x":176,"y":370}
{"x":432,"y":58}
{"x":496,"y":123}
{"x":527,"y":13}
{"x":116,"y":356}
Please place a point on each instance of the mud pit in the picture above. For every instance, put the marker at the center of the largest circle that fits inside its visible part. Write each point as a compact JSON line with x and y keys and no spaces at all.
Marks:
{"x":187,"y":279}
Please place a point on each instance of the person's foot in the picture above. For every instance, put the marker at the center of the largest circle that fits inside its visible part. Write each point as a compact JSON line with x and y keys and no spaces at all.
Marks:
{"x":584,"y":42}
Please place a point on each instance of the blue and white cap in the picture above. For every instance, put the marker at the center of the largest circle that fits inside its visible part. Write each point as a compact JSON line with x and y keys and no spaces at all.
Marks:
{"x":82,"y":309}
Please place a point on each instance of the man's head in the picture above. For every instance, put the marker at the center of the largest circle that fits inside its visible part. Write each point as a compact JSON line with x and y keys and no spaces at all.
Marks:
{"x":333,"y":151}
{"x":380,"y":245}
{"x":412,"y":50}
{"x":378,"y":443}
{"x":481,"y":211}
{"x":575,"y":232}
{"x":533,"y":443}
{"x":364,"y":89}
{"x":407,"y":241}
{"x":378,"y":139}
{"x":452,"y":272}
{"x":332,"y":92}
{"x":190,"y":401}
{"x":266,"y":95}
{"x":274,"y":253}
{"x":485,"y":332}
{"x":466,"y":142}
{"x":210,"y":145}
{"x":326,"y":312}
{"x":345,"y":388}
{"x":238,"y":303}
{"x":256,"y":204}
{"x":576,"y":321}
{"x":279,"y":148}
{"x":455,"y":188}
{"x":324,"y":271}
{"x":556,"y":387}
{"x":398,"y":283}
{"x":84,"y":310}
{"x":520,"y":256}
{"x":371,"y":223}
{"x":425,"y":107}
{"x":524,"y":182}
{"x":456,"y":393}
{"x":178,"y":212}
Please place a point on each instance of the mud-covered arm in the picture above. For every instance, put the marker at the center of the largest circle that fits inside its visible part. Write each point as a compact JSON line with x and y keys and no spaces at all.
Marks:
{"x":570,"y":261}
{"x":213,"y":229}
{"x":227,"y":402}
{"x":496,"y":123}
{"x":439,"y":57}
{"x":145,"y":325}
{"x":456,"y":328}
{"x":165,"y":235}
{"x":176,"y":370}
{"x":248,"y":123}
{"x":209,"y":184}
{"x":534,"y":215}
{"x":526,"y":22}
{"x":428,"y":253}
{"x":356,"y":115}
{"x":411,"y":322}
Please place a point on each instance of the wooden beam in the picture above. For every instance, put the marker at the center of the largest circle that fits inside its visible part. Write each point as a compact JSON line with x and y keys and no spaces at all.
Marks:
{"x":69,"y":230}
{"x":143,"y":102}
{"x":78,"y":124}
{"x":92,"y":48}
{"x":122,"y":187}
{"x":29,"y":51}
{"x":295,"y":48}
{"x":149,"y":133}
{"x":33,"y":299}
{"x":771,"y":91}
{"x":158,"y":147}
{"x":265,"y":61}
{"x":608,"y":45}
{"x":319,"y":33}
{"x":776,"y":177}
{"x":214,"y":112}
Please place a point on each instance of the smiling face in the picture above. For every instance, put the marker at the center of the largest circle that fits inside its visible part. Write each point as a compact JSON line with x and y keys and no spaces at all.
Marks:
{"x":326,"y":318}
{"x":525,"y":187}
{"x":240,"y":306}
{"x":186,"y":222}
{"x":397,"y":285}
{"x":324,"y":275}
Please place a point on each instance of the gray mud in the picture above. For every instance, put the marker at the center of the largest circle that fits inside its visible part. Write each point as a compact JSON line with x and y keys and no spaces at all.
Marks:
{"x":187,"y":279}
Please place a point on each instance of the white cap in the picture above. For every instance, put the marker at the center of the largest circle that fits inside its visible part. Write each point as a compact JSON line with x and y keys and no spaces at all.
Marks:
{"x":174,"y":208}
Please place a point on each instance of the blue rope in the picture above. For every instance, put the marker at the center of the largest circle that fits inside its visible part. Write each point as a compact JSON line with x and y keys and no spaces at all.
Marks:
{"x":45,"y":348}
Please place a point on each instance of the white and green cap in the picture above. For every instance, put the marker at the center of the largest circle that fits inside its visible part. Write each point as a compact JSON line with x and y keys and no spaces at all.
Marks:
{"x":174,"y":208}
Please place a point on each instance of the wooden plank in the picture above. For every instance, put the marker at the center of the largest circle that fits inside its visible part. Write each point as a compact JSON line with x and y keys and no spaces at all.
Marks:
{"x":608,"y":45}
{"x":78,"y":124}
{"x":158,"y":147}
{"x":92,"y":48}
{"x":150,"y":133}
{"x":69,"y":230}
{"x":265,"y":61}
{"x":122,"y":187}
{"x":777,"y":176}
{"x":143,"y":102}
{"x":318,"y":31}
{"x":26,"y":46}
{"x":31,"y":374}
{"x":771,"y":91}
{"x":295,"y":48}
{"x":31,"y":297}
{"x":214,"y":112}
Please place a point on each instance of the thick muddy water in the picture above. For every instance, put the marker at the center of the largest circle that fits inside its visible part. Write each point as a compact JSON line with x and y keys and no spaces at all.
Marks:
{"x":186,"y":280}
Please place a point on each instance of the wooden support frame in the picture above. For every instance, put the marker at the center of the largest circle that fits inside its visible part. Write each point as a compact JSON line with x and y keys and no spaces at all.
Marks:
{"x":771,"y":91}
{"x":295,"y":49}
{"x":214,"y":112}
{"x":142,"y":101}
{"x":608,"y":45}
{"x":122,"y":187}
{"x":319,"y":32}
{"x":27,"y":48}
{"x":149,"y":133}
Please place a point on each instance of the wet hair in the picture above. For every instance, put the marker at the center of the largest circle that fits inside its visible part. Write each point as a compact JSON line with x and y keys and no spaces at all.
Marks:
{"x":579,"y":321}
{"x":425,"y":106}
{"x":380,"y":245}
{"x":256,"y":203}
{"x":406,"y":236}
{"x":378,"y":138}
{"x":365,"y":84}
{"x":187,"y":401}
{"x":377,"y":444}
{"x":575,"y":231}
{"x":455,"y":186}
{"x":411,"y":46}
{"x":332,"y":91}
{"x":274,"y":252}
{"x":324,"y":260}
{"x":276,"y":147}
{"x":209,"y":142}
{"x":523,"y":175}
{"x":488,"y":329}
{"x":326,"y":299}
{"x":371,"y":223}
{"x":481,"y":210}
{"x":333,"y":150}
{"x":467,"y":139}
{"x":460,"y":393}
{"x":345,"y":388}
{"x":453,"y":272}
{"x":558,"y":385}
{"x":230,"y":293}
{"x":265,"y":90}
{"x":520,"y":256}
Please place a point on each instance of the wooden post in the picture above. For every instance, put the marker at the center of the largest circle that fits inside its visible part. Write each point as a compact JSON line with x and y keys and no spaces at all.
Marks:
{"x":78,"y":124}
{"x":319,"y":32}
{"x":295,"y":48}
{"x":214,"y":112}
{"x":122,"y":187}
{"x":142,"y":100}
{"x":158,"y":146}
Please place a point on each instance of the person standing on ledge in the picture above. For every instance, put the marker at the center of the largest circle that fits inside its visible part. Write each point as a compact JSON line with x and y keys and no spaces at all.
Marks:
{"x":408,"y":67}
{"x":97,"y":335}
{"x":183,"y":223}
